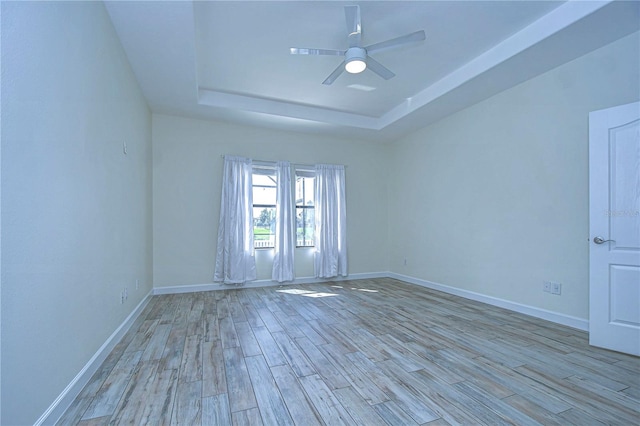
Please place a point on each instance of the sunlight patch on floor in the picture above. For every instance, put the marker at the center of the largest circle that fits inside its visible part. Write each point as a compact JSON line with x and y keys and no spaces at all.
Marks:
{"x":318,"y":294}
{"x":306,"y":293}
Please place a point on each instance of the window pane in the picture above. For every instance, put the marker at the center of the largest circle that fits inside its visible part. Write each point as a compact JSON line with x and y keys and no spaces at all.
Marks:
{"x":264,"y":226}
{"x":264,"y":195}
{"x":305,"y":218}
{"x":304,"y":191}
{"x":264,"y":189}
{"x":264,"y":180}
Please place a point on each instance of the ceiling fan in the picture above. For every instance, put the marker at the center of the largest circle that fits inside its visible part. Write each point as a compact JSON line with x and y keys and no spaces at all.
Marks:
{"x":356,"y":57}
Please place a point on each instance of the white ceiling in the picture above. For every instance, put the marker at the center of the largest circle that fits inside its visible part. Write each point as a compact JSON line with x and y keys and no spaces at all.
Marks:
{"x":230,"y":60}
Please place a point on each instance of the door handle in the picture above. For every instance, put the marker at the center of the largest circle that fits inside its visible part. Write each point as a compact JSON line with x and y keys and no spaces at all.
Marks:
{"x":600,"y":240}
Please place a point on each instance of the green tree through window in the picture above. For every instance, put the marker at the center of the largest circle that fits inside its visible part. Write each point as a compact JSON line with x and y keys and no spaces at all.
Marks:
{"x":305,"y":209}
{"x":264,"y":208}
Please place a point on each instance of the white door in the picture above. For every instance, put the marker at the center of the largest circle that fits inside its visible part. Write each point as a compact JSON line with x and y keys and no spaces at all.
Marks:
{"x":614,"y":209}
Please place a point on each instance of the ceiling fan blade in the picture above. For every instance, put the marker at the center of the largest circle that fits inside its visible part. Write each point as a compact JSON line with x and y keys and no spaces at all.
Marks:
{"x":305,"y":51}
{"x":332,"y":77}
{"x":354,"y":27}
{"x":395,"y":42}
{"x":379,"y":69}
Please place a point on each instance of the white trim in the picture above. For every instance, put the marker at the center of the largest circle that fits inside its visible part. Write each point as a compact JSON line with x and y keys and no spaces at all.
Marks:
{"x":73,"y":389}
{"x":568,"y":320}
{"x":0,"y":232}
{"x":262,"y":283}
{"x":551,"y":24}
{"x":543,"y":28}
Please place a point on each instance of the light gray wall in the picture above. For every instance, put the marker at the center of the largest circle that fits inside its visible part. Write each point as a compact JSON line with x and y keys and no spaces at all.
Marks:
{"x":187,"y":180}
{"x":494,"y":199}
{"x":76,"y":216}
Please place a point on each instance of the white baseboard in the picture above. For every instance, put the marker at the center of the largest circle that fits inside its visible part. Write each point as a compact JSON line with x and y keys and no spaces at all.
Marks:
{"x":569,"y":321}
{"x":73,"y":389}
{"x":192,"y":288}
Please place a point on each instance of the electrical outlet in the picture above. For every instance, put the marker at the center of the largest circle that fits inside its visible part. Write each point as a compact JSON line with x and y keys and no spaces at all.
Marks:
{"x":552,"y":287}
{"x":137,"y":284}
{"x":405,"y":262}
{"x":121,"y":297}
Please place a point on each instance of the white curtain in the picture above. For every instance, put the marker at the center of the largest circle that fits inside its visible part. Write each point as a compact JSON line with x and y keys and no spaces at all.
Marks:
{"x":235,"y":259}
{"x":331,"y":222}
{"x":285,"y":225}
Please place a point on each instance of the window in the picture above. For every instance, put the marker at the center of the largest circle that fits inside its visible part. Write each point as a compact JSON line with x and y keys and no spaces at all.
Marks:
{"x":305,"y":217}
{"x":264,"y":207}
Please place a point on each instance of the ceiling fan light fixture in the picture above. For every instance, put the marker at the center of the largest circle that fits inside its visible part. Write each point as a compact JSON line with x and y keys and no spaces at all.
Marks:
{"x":355,"y":66}
{"x":355,"y":60}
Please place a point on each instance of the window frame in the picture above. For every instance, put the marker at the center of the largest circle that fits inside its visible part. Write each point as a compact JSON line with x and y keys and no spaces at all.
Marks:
{"x":269,"y":171}
{"x":305,"y":173}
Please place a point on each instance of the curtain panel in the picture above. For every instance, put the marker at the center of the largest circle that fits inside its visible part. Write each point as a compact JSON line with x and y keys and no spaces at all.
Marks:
{"x":235,"y":257}
{"x":331,"y":221}
{"x":285,"y":245}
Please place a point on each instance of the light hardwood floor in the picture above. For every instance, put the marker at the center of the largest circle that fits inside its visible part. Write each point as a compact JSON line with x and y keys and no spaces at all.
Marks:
{"x":366,"y":352}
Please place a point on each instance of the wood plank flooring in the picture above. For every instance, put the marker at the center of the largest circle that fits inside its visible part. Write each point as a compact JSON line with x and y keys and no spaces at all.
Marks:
{"x":365,"y":352}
